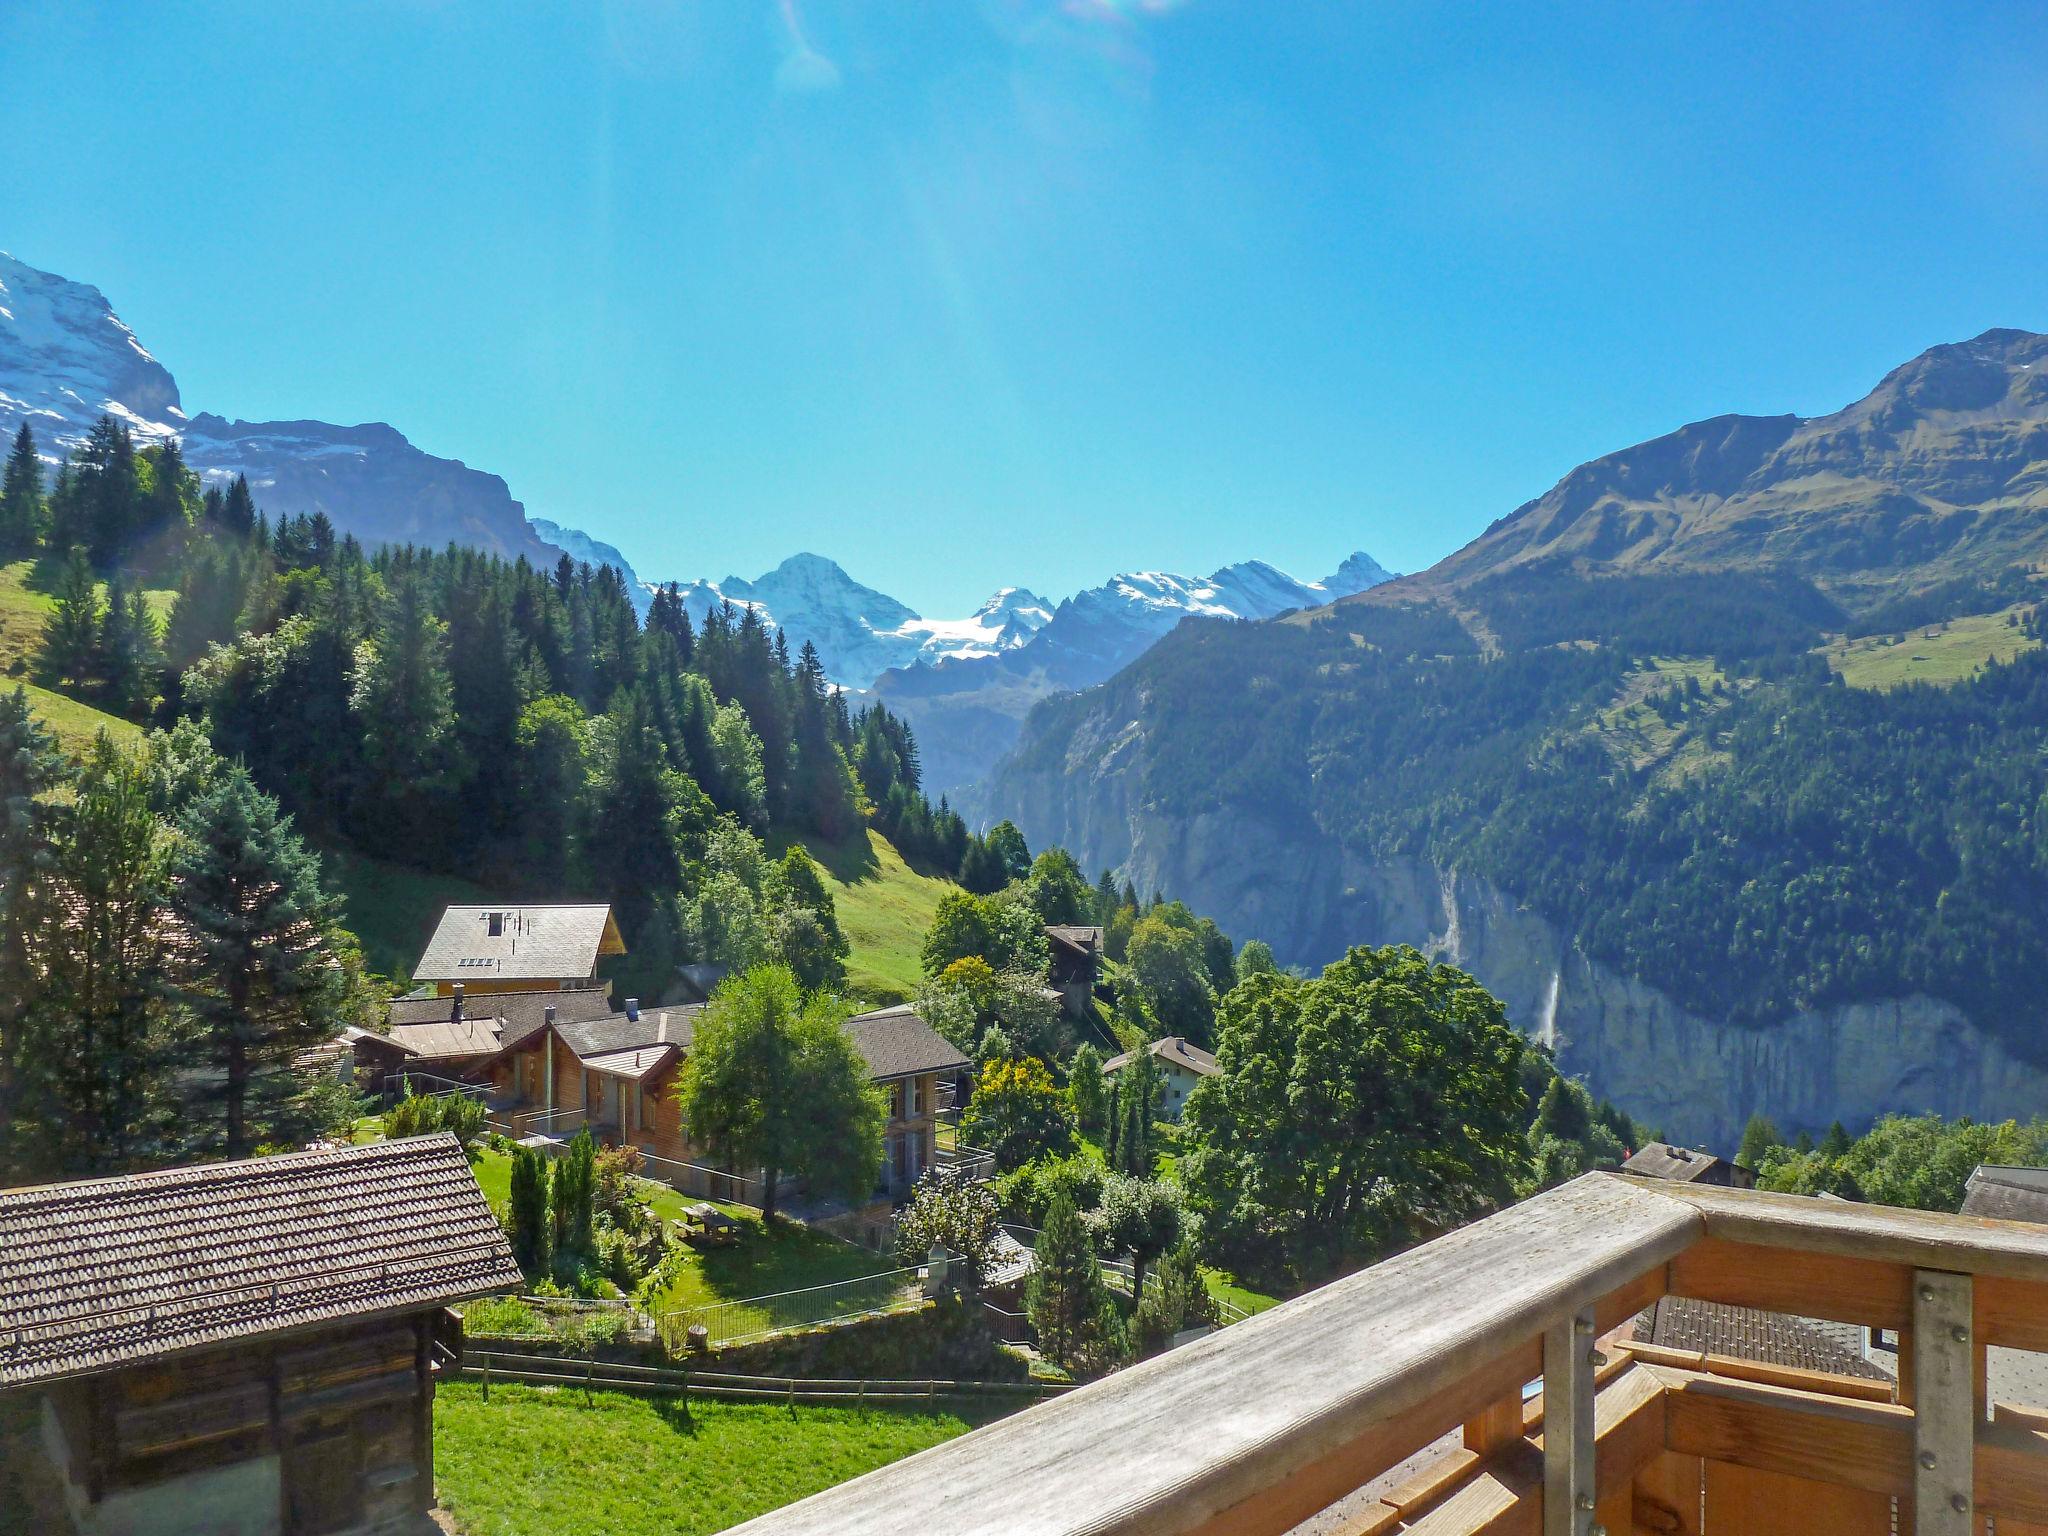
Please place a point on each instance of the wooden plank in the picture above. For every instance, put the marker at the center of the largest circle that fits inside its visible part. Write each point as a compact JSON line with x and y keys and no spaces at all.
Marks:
{"x":1971,"y":1245}
{"x":1260,"y":1424}
{"x":1499,"y":1426}
{"x":1666,"y":1496}
{"x":1568,"y":1431}
{"x":1746,"y":1502}
{"x":1943,"y":1385}
{"x":1857,"y":1387}
{"x":1841,"y":1289}
{"x":2012,"y":1313}
{"x":2012,"y":1474}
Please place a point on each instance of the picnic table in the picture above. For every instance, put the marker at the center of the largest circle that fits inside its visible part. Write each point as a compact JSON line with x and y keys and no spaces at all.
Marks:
{"x":707,"y":1226}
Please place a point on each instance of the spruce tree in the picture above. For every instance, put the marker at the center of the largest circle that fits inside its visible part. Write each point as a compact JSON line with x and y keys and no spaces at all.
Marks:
{"x":1758,"y":1138}
{"x":1066,"y":1299}
{"x":21,"y":499}
{"x":529,"y":1210}
{"x":71,"y":635}
{"x":238,"y":508}
{"x":130,"y":653}
{"x":1088,"y":1090}
{"x":261,"y":970}
{"x":30,"y":767}
{"x":403,"y":698}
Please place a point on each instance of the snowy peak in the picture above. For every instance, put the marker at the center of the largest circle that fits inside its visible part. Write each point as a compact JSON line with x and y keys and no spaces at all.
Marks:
{"x":66,"y":360}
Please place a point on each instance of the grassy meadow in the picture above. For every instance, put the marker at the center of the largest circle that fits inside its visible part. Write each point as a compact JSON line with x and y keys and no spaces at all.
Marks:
{"x":24,"y":608}
{"x":884,"y":908}
{"x":1950,"y":652}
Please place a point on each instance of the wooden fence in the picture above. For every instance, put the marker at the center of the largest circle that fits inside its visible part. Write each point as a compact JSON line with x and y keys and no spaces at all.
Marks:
{"x":486,"y":1366}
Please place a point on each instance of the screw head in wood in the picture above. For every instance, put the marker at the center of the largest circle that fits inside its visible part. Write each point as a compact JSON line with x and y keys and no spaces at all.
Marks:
{"x":1585,"y":1501}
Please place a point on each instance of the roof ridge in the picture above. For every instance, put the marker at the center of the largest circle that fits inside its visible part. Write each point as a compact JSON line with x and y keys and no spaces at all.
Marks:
{"x":226,"y":1171}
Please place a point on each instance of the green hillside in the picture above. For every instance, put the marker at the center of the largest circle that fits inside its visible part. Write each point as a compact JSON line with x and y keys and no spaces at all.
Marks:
{"x":1952,"y":651}
{"x":22,"y":612}
{"x":884,"y":907}
{"x":391,"y":909}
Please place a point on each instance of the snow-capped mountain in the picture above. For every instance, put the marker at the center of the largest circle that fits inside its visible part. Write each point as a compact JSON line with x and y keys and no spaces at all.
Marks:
{"x":968,"y":712}
{"x":860,"y":632}
{"x":66,"y":359}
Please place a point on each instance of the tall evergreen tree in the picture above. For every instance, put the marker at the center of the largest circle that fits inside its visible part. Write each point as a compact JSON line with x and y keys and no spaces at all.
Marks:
{"x":21,"y":499}
{"x":71,"y":635}
{"x":529,"y":1210}
{"x":262,"y":969}
{"x":404,"y":700}
{"x":30,"y":767}
{"x":130,"y":654}
{"x":238,"y":508}
{"x":1066,"y":1299}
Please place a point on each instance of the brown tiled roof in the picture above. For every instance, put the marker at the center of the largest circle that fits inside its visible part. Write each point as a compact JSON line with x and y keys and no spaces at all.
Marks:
{"x":518,"y":1014}
{"x":1172,"y":1048}
{"x":102,"y":1273}
{"x":896,"y":1042}
{"x":442,"y":1038}
{"x":1745,"y":1333}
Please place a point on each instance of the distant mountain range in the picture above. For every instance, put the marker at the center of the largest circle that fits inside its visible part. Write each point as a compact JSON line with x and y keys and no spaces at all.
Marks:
{"x":66,"y":359}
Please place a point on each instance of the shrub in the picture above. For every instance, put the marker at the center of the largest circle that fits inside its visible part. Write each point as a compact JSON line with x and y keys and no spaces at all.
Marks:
{"x":502,"y":1315}
{"x":953,"y":1211}
{"x":423,"y":1115}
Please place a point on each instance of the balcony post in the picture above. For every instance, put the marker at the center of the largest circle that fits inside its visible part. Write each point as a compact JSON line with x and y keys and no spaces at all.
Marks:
{"x":1944,"y":1405}
{"x":1568,"y":1435}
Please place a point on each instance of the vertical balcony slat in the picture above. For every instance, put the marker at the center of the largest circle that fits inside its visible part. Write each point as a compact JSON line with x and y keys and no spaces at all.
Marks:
{"x":1944,"y":1404}
{"x":1568,"y":1430}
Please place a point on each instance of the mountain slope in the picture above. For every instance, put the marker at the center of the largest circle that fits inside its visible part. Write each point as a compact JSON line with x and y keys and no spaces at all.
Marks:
{"x":66,"y":359}
{"x":1603,"y":757}
{"x":968,"y":712}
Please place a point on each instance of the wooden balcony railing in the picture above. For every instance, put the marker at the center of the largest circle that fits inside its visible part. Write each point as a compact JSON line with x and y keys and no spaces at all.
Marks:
{"x":1264,"y":1424}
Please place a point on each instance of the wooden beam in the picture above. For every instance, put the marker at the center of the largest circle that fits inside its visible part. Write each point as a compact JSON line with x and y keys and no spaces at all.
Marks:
{"x":2012,"y":1313}
{"x":1841,"y":1289}
{"x":1944,"y":1446}
{"x":1497,"y":1426}
{"x":1859,"y":1388}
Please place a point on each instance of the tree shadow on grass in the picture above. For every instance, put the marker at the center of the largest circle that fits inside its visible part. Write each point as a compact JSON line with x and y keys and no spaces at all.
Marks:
{"x":849,"y":861}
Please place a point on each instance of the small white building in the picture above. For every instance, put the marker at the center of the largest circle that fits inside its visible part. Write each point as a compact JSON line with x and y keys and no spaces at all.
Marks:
{"x":1181,"y":1066}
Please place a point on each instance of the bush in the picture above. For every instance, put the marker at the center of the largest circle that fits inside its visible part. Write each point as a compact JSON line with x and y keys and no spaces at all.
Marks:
{"x":506,"y":1315}
{"x":1027,"y":1193}
{"x":417,"y":1115}
{"x":953,"y":1211}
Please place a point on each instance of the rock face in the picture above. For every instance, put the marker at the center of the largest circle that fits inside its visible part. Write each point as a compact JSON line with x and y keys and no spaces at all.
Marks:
{"x":66,"y":359}
{"x":1696,"y":1079}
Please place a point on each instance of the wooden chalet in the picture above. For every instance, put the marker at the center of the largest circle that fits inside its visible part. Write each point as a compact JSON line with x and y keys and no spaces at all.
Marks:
{"x":511,"y":948}
{"x":237,"y":1349}
{"x":1687,"y":1165}
{"x":616,"y":1075}
{"x":450,"y":1038}
{"x":1181,"y":1066}
{"x":1076,"y":964}
{"x":1480,"y":1384}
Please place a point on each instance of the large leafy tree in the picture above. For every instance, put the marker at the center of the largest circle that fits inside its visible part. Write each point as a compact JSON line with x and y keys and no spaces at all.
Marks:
{"x":1057,"y":890}
{"x":1141,"y":1217}
{"x":955,"y":1212}
{"x":1353,"y":1113}
{"x":1004,"y":932}
{"x":773,"y":1082}
{"x":1018,"y":1114}
{"x":264,"y":969}
{"x":1166,"y":970}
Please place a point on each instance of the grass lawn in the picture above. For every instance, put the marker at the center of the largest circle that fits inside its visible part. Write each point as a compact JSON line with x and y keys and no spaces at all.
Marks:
{"x":540,"y":1462}
{"x":22,"y":612}
{"x":1949,"y":652}
{"x":884,"y":908}
{"x":1224,"y":1287}
{"x":391,"y":909}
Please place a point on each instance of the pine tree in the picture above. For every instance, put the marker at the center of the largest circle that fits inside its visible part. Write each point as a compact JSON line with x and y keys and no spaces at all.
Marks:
{"x":71,"y":635}
{"x":21,"y":499}
{"x":130,"y":653}
{"x":571,"y":1197}
{"x":1562,"y":1112}
{"x":1758,"y":1138}
{"x":1106,"y":898}
{"x":529,"y":1210}
{"x":261,"y":971}
{"x":1066,"y":1299}
{"x":30,"y":767}
{"x":238,"y":508}
{"x":1135,"y":1107}
{"x":404,"y":700}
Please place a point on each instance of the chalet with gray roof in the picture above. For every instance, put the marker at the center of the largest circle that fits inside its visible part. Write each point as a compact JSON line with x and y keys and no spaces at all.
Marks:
{"x":1181,"y":1066}
{"x":617,"y":1075}
{"x":244,"y":1347}
{"x":1687,"y":1165}
{"x":1076,"y":964}
{"x":454,"y":1037}
{"x":519,"y":948}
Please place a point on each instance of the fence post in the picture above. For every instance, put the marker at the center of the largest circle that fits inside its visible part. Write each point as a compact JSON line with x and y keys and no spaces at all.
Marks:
{"x":589,"y":1370}
{"x":487,"y":1376}
{"x":863,"y":1393}
{"x":792,"y":1397}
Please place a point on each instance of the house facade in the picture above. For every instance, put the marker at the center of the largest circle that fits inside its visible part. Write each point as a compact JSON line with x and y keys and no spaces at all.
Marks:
{"x":237,"y":1349}
{"x":1181,"y":1066}
{"x":511,"y":948}
{"x":1076,"y":963}
{"x":617,"y":1076}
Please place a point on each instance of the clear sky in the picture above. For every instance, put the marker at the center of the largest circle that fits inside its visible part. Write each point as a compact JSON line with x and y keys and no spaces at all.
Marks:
{"x":971,"y":294}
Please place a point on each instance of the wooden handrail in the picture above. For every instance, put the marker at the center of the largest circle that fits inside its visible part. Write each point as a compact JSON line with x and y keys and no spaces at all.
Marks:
{"x":1254,"y":1428}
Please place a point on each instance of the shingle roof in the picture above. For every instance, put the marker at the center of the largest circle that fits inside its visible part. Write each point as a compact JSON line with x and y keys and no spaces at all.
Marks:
{"x":534,"y":943}
{"x":1659,"y":1160}
{"x":896,"y":1042}
{"x":617,"y":1032}
{"x":102,"y":1273}
{"x":2011,"y":1194}
{"x":1080,"y":935}
{"x":635,"y":1063}
{"x":1745,"y":1333}
{"x":519,"y":1014}
{"x":447,"y":1037}
{"x":1171,"y":1048}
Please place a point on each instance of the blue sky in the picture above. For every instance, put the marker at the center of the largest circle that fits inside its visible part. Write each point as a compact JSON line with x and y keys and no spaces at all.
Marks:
{"x":970,"y":294}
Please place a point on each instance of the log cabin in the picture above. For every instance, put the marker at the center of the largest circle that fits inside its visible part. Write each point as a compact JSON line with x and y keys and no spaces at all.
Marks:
{"x":237,"y":1349}
{"x":1478,"y":1386}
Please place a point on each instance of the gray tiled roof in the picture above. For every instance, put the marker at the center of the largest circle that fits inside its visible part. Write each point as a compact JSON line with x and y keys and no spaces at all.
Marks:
{"x":1746,"y":1333}
{"x":538,"y":943}
{"x":896,"y":1042}
{"x":1175,"y":1050}
{"x":2010,"y":1194}
{"x":1080,"y":935}
{"x":102,"y":1273}
{"x":616,"y":1032}
{"x":1660,"y":1160}
{"x":518,"y":1014}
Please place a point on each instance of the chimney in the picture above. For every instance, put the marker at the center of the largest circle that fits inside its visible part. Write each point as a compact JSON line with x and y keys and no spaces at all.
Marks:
{"x":455,"y":1009}
{"x":633,"y":1009}
{"x":661,"y":1029}
{"x":547,"y":1016}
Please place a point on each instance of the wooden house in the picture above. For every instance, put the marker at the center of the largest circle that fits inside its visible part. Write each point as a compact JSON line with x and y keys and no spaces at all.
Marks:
{"x":452,"y":1037}
{"x":237,"y":1349}
{"x":1685,"y":1165}
{"x":1181,"y":1066}
{"x":508,"y":948}
{"x":1076,"y":964}
{"x":1477,"y":1385}
{"x":617,"y":1076}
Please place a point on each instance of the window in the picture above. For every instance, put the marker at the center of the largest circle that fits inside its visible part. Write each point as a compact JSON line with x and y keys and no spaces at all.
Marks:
{"x":496,"y":922}
{"x":917,"y":1096}
{"x":896,"y":1101}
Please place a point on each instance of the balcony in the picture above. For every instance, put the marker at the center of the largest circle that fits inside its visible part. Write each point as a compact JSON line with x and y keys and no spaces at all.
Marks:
{"x":1398,"y":1394}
